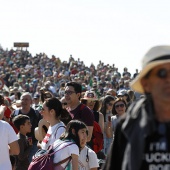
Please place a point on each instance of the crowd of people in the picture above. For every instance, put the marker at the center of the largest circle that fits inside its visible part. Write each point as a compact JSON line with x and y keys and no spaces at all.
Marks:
{"x":49,"y":102}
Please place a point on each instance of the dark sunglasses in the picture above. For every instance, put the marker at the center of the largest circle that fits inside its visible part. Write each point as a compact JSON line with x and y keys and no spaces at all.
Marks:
{"x":119,"y":105}
{"x":64,"y":104}
{"x":91,"y":101}
{"x":162,"y":73}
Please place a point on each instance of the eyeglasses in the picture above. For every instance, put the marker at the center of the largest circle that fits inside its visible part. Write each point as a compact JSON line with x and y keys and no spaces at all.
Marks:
{"x":110,"y":104}
{"x":64,"y":104}
{"x":119,"y":105}
{"x":162,"y":73}
{"x":69,"y":92}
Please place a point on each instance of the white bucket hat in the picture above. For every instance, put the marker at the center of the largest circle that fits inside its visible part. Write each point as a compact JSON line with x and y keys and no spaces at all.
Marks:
{"x":155,"y":56}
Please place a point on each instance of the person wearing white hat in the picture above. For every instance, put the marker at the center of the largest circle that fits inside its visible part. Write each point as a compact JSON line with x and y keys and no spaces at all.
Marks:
{"x":142,"y":140}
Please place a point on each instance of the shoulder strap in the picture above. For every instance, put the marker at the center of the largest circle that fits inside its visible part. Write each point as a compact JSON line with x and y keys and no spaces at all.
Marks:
{"x":63,"y":161}
{"x":58,"y":128}
{"x":62,"y":147}
{"x":87,"y":156}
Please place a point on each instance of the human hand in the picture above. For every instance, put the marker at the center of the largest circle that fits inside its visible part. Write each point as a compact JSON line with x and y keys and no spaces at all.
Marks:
{"x":30,"y":140}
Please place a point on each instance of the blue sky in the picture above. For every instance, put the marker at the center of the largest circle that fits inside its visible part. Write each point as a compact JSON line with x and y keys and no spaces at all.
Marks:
{"x":113,"y":31}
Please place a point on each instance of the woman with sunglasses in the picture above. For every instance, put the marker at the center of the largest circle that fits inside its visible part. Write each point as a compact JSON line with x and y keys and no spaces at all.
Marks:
{"x":119,"y":109}
{"x":107,"y":111}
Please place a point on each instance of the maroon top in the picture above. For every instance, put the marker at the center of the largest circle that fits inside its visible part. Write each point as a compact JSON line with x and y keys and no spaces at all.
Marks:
{"x":83,"y":114}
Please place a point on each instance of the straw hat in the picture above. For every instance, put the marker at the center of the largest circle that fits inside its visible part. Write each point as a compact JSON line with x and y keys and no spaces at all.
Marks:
{"x":155,"y":56}
{"x":16,"y":105}
{"x":39,"y":132}
{"x":89,"y":95}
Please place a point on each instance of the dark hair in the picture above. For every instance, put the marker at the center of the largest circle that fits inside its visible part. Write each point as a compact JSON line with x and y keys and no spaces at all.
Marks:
{"x":77,"y":87}
{"x":45,"y":95}
{"x":20,"y":120}
{"x":105,"y":101}
{"x":18,"y":94}
{"x":1,"y":100}
{"x":54,"y":103}
{"x":76,"y":125}
{"x":119,"y":100}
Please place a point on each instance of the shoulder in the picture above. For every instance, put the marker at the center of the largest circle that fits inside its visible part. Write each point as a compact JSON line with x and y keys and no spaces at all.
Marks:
{"x":86,"y":109}
{"x":5,"y":124}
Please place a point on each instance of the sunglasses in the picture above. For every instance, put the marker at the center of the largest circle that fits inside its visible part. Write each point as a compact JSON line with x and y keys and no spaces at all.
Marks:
{"x":119,"y":105}
{"x":69,"y":92}
{"x":64,"y":104}
{"x":110,"y":104}
{"x":91,"y":101}
{"x":162,"y":73}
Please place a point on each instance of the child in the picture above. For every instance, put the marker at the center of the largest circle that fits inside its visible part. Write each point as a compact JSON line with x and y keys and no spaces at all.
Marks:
{"x":23,"y":124}
{"x":66,"y":149}
{"x":87,"y":157}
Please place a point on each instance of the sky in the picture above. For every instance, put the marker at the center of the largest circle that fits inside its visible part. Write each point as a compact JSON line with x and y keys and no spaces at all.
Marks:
{"x":116,"y":32}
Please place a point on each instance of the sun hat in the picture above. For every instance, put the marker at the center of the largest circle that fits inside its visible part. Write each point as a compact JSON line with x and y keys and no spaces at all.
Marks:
{"x":16,"y":105}
{"x":155,"y":56}
{"x":90,"y":95}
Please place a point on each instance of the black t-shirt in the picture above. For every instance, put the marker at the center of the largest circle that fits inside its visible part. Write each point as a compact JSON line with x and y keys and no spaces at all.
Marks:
{"x":157,"y":149}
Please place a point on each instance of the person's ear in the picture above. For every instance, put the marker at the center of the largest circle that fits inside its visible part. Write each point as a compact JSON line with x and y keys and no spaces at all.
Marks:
{"x":73,"y":131}
{"x":79,"y":95}
{"x":21,"y":126}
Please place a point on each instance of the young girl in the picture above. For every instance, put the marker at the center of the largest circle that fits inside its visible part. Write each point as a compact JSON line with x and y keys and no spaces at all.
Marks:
{"x":107,"y":111}
{"x":69,"y":145}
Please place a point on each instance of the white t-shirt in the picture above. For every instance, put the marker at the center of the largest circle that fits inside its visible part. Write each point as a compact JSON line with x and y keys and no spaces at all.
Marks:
{"x":92,"y":159}
{"x":67,"y":149}
{"x":53,"y":134}
{"x":7,"y":136}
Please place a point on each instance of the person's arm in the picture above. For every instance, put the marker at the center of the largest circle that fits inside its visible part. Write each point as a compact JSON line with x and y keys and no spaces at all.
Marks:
{"x":101,"y":121}
{"x":14,"y":148}
{"x":108,"y":130}
{"x":2,"y":110}
{"x":90,"y":131}
{"x":74,"y":161}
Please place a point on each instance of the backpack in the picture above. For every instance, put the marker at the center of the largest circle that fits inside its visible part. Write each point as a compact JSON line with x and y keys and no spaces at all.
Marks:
{"x":97,"y":135}
{"x":43,"y":159}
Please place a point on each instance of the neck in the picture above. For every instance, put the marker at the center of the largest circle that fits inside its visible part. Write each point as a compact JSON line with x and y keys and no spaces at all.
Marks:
{"x":54,"y":121}
{"x":23,"y":133}
{"x":162,"y":112}
{"x":74,"y":106}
